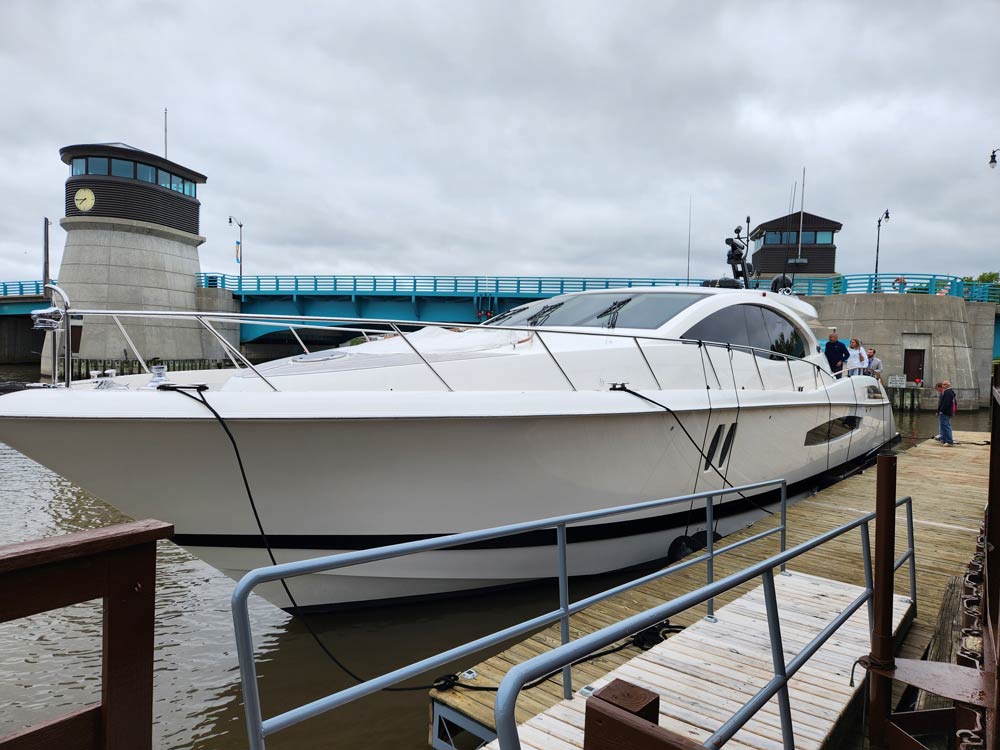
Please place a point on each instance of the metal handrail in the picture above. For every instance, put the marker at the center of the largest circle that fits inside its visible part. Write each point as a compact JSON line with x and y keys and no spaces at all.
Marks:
{"x":539,"y":666}
{"x":259,"y":728}
{"x":371,"y":325}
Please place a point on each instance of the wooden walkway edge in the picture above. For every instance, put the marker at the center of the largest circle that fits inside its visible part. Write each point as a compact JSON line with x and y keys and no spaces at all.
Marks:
{"x":948,"y":487}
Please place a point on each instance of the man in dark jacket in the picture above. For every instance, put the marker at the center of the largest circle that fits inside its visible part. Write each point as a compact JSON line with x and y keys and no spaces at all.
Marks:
{"x":836,"y":354}
{"x":946,"y":408}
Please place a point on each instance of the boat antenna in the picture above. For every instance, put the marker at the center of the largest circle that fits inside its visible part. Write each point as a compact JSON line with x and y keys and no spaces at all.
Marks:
{"x":791,"y":198}
{"x":164,"y":132}
{"x":802,"y":205}
{"x":689,"y":243}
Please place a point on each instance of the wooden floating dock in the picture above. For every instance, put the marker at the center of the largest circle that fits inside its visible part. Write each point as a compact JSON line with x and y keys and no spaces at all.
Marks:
{"x":948,"y":487}
{"x":711,"y":669}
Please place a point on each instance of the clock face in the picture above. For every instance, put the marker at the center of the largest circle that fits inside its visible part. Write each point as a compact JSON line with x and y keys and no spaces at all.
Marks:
{"x":84,"y":199}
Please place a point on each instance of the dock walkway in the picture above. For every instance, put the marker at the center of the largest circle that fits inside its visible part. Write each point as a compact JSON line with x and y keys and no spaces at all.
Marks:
{"x":711,"y":669}
{"x":948,"y":487}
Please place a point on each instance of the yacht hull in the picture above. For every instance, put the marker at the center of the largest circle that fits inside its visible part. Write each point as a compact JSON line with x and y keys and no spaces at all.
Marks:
{"x":323,"y":483}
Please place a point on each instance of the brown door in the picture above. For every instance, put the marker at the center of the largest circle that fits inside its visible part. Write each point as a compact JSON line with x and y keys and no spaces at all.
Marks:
{"x":913,"y":365}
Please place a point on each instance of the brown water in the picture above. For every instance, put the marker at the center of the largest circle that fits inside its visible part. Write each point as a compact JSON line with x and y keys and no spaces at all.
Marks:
{"x":50,"y":663}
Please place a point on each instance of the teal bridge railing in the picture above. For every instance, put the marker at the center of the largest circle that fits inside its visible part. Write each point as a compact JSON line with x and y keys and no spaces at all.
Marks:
{"x":547,"y":286}
{"x":544,"y":286}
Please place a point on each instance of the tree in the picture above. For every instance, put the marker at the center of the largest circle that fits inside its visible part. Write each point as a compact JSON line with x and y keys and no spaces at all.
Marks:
{"x":986,"y":277}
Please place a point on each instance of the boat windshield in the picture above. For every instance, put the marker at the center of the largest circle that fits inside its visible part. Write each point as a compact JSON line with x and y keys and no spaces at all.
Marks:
{"x":626,"y":309}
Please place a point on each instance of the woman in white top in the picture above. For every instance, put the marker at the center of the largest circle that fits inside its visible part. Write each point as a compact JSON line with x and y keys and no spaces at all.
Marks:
{"x":857,"y":359}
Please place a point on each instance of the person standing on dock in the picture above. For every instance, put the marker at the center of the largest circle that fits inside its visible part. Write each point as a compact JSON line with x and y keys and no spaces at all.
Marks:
{"x":836,"y":354}
{"x":946,"y":408}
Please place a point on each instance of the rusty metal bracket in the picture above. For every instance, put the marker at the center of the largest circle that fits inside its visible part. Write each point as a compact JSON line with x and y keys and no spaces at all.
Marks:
{"x":958,"y":683}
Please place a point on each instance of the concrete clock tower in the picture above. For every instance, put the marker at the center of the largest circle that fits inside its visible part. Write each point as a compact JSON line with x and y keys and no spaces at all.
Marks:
{"x":132,"y":225}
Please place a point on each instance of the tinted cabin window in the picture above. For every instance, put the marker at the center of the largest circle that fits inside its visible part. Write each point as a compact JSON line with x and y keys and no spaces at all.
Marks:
{"x":189,"y":188}
{"x":782,"y":335}
{"x":145,"y":173}
{"x":727,"y":326}
{"x":97,"y":165}
{"x":79,"y":166}
{"x":772,"y":238}
{"x":824,"y":238}
{"x":808,"y":238}
{"x":757,"y":334}
{"x":625,"y":310}
{"x":164,"y":179}
{"x":789,"y":238}
{"x":177,"y":183}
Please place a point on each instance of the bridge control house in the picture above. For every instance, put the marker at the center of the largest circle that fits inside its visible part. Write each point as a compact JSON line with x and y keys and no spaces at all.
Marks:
{"x":132,"y":239}
{"x":776,"y":246}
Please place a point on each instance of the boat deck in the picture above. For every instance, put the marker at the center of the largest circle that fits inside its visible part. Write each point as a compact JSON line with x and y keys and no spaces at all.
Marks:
{"x":711,"y":669}
{"x":948,"y":487}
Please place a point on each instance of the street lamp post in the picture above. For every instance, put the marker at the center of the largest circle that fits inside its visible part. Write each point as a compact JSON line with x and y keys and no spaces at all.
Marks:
{"x":239,"y":252}
{"x":884,"y":216}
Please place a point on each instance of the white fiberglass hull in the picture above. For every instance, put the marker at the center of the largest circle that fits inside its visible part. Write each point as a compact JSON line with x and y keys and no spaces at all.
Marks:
{"x":334,"y":471}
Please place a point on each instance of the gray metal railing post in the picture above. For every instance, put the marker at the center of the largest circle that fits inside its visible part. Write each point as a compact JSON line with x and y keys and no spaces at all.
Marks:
{"x":866,"y":554}
{"x":567,"y":672}
{"x":248,"y":668}
{"x":784,"y":523}
{"x":778,"y":658}
{"x":912,"y":552}
{"x":710,"y":551}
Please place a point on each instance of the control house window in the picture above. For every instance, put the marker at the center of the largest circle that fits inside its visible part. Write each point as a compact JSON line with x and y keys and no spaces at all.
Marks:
{"x":808,"y":238}
{"x":97,"y":165}
{"x":122,"y":168}
{"x":824,"y":238}
{"x":772,"y":238}
{"x":102,"y":165}
{"x":789,"y":238}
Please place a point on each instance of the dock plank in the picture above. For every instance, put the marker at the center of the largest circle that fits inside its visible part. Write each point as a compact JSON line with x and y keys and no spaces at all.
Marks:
{"x":948,"y":487}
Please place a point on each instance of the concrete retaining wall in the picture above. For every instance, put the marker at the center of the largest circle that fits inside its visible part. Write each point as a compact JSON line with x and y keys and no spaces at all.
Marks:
{"x":956,"y":336}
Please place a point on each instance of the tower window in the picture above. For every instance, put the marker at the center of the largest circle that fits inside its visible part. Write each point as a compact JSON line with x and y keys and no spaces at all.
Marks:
{"x":824,"y":238}
{"x":808,"y":238}
{"x":79,"y":166}
{"x":177,"y":183}
{"x":164,"y":179}
{"x":97,"y":165}
{"x":772,"y":238}
{"x":123,"y":168}
{"x":145,"y":173}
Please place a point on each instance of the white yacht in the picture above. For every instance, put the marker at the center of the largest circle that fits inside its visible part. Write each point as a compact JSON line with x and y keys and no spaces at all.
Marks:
{"x":447,"y":429}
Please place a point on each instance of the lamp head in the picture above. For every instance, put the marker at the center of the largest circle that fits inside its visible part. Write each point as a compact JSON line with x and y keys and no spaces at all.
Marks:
{"x":230,"y":221}
{"x":885,"y":216}
{"x":993,"y":158}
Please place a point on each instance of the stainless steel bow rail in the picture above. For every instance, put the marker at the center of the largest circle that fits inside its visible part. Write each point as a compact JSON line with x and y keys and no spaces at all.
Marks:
{"x":522,"y":674}
{"x":57,"y":319}
{"x":259,"y":728}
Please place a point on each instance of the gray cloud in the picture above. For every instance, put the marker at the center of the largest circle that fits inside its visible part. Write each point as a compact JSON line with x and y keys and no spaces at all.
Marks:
{"x":551,"y":138}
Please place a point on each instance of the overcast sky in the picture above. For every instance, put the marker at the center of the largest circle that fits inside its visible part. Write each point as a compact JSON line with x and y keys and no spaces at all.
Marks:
{"x":518,"y":138}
